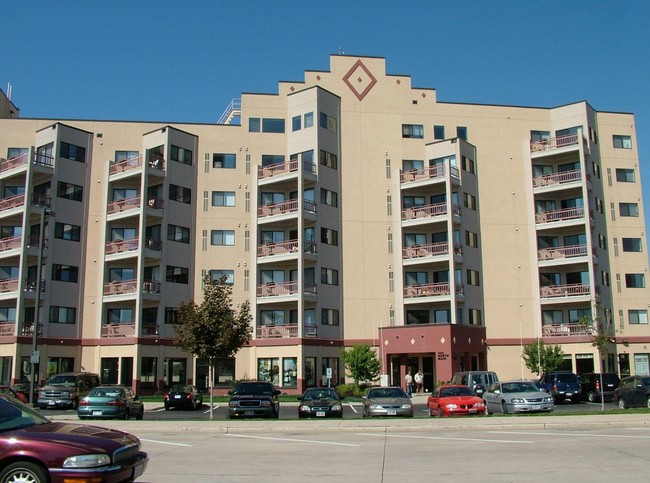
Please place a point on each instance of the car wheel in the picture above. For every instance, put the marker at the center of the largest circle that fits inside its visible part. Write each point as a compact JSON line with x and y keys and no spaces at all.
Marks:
{"x":441,"y":414}
{"x":24,"y":472}
{"x":75,"y":403}
{"x":140,"y":415}
{"x":621,"y":404}
{"x":591,"y":397}
{"x":431,"y":413}
{"x":647,"y":403}
{"x":166,"y":407}
{"x":504,"y":407}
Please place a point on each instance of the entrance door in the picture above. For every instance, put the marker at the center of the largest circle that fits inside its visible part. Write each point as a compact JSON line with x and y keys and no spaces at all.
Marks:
{"x":428,"y":369}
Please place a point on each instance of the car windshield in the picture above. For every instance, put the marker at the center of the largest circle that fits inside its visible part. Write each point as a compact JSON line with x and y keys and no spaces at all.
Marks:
{"x":106,"y":392}
{"x":249,"y":389}
{"x":62,"y":381}
{"x":646,"y":381}
{"x":14,"y":415}
{"x":455,"y":391}
{"x":316,"y":395}
{"x":567,"y":378}
{"x":179,"y":389}
{"x":386,"y":392}
{"x":511,"y":387}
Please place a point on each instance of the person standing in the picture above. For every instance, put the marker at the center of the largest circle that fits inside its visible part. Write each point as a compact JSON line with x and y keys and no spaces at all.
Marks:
{"x":409,"y":383}
{"x":419,"y":382}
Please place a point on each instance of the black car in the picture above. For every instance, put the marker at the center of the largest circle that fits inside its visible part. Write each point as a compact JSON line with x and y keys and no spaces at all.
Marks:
{"x":254,"y":399}
{"x":590,"y":386}
{"x":320,"y":402}
{"x":633,"y":391}
{"x":562,"y":385}
{"x":183,"y":396}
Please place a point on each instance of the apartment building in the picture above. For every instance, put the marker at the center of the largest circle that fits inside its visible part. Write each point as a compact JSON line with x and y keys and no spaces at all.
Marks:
{"x":349,"y":207}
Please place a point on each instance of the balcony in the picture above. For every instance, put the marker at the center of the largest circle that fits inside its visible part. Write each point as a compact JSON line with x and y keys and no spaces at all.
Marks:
{"x":566,"y":330}
{"x":20,"y":160}
{"x":122,"y":205}
{"x":9,"y":285}
{"x":428,"y":211}
{"x":10,"y":243}
{"x":426,"y":173}
{"x":7,"y":328}
{"x":565,"y":214}
{"x":121,"y":246}
{"x":151,"y":287}
{"x":282,"y":248}
{"x":559,"y":178}
{"x":273,"y":289}
{"x":560,"y":253}
{"x":554,"y":143}
{"x":429,"y":250}
{"x":12,"y":202}
{"x":570,"y":290}
{"x":277,"y":331}
{"x":121,"y":288}
{"x":431,"y":290}
{"x":128,"y":330}
{"x":28,"y":328}
{"x":284,"y":207}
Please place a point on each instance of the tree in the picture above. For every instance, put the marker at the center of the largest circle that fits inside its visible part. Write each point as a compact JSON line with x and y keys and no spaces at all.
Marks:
{"x":540,"y":358}
{"x":213,"y":330}
{"x":362,"y":362}
{"x":602,"y":335}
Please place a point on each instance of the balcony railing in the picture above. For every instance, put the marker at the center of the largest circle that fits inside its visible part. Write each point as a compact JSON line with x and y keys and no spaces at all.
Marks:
{"x":284,"y":288}
{"x":30,"y":285}
{"x":554,"y":143}
{"x":7,"y":164}
{"x":151,"y":286}
{"x":12,"y":202}
{"x":290,"y":206}
{"x":558,"y":253}
{"x":570,"y":290}
{"x":430,"y":250}
{"x":557,"y":178}
{"x":566,"y":330}
{"x":123,"y":165}
{"x":281,"y":248}
{"x":153,"y":244}
{"x":10,"y":243}
{"x":277,"y":331}
{"x":28,"y":328}
{"x":437,"y":171}
{"x":431,"y":290}
{"x":120,"y":288}
{"x":9,"y":285}
{"x":120,"y":246}
{"x":559,"y":215}
{"x":128,"y":330}
{"x":125,"y":204}
{"x":7,"y":328}
{"x":428,"y":211}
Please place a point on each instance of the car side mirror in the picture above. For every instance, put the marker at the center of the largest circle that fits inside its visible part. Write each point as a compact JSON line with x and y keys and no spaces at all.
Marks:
{"x":300,"y":398}
{"x":136,"y":398}
{"x":231,"y":392}
{"x":277,"y":392}
{"x":341,"y":398}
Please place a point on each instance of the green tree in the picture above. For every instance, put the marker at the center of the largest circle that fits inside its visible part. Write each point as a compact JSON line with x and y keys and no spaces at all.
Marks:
{"x":213,"y":330}
{"x":540,"y":358}
{"x":361,"y":362}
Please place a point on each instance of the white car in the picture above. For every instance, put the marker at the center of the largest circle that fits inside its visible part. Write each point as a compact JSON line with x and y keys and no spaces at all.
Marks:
{"x":517,"y":396}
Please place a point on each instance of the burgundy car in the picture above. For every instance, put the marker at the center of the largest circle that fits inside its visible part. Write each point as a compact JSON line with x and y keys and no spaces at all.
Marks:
{"x":36,"y":450}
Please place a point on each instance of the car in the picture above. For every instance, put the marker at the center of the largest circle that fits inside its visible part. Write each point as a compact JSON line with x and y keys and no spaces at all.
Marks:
{"x":477,"y":381}
{"x":22,"y":388}
{"x":633,"y":392}
{"x":387,"y":401}
{"x":111,"y":402}
{"x":320,"y":402}
{"x":562,"y":385}
{"x":254,"y":399}
{"x":590,"y":386}
{"x":517,"y":396}
{"x":455,"y":400}
{"x":65,"y":390}
{"x":36,"y":450}
{"x":183,"y":396}
{"x":11,"y":392}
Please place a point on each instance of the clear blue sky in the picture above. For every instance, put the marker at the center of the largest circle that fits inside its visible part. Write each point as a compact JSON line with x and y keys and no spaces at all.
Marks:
{"x":184,"y":60}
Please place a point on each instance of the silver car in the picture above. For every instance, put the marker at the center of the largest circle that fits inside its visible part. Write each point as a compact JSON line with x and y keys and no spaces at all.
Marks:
{"x":387,"y":401}
{"x":517,"y":396}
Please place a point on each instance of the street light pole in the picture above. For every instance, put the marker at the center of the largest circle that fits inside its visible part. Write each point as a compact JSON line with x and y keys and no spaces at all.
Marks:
{"x":35,"y":357}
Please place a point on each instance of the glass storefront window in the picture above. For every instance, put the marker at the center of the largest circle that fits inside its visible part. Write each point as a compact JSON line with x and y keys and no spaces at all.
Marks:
{"x":331,"y":363}
{"x":289,"y":372}
{"x":268,"y":369}
{"x":310,"y":371}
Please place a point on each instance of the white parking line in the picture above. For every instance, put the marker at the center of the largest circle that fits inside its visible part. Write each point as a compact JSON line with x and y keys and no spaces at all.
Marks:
{"x":166,"y":442}
{"x":474,"y":440}
{"x":352,"y":407}
{"x":289,"y":440}
{"x":213,"y":408}
{"x":545,"y":433}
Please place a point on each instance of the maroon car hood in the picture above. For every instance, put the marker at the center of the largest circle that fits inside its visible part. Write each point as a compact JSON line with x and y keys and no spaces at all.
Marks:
{"x":88,"y":438}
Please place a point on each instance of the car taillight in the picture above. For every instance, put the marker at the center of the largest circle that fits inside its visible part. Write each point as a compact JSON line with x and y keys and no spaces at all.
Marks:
{"x":555,"y":387}
{"x":189,"y":396}
{"x":597,"y":385}
{"x":83,"y":402}
{"x":116,"y":402}
{"x":166,"y":396}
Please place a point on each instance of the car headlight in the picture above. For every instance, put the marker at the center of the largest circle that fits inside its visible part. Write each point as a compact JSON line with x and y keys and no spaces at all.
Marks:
{"x":517,"y":400}
{"x":305,"y":408}
{"x":65,"y":394}
{"x":337,"y":407}
{"x":375,"y":406}
{"x":233,"y":404}
{"x":548,"y":399}
{"x":265,"y":404}
{"x":407,"y":406}
{"x":451,"y":406}
{"x":87,"y":461}
{"x":479,"y":404}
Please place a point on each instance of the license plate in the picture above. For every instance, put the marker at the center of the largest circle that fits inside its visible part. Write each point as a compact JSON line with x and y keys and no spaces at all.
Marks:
{"x":138,"y":471}
{"x":97,"y":413}
{"x":320,"y":414}
{"x":177,"y":396}
{"x":51,"y":403}
{"x":569,"y":393}
{"x":472,"y":411}
{"x":249,"y":413}
{"x":392,"y":412}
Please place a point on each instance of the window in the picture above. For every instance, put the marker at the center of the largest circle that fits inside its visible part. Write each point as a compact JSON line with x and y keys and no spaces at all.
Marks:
{"x":180,"y":155}
{"x":124,"y":155}
{"x":289,"y":372}
{"x":65,"y":231}
{"x":268,"y":369}
{"x":631,"y":244}
{"x":222,"y":160}
{"x":273,"y":125}
{"x":329,"y":276}
{"x":628,"y":209}
{"x":329,"y":317}
{"x":416,"y":317}
{"x":15,"y":152}
{"x":624,"y":175}
{"x":438,"y":132}
{"x":171,"y":315}
{"x":475,"y":317}
{"x":473,"y":277}
{"x":215,"y":275}
{"x":222,"y":237}
{"x":412,"y":131}
{"x":409,"y":164}
{"x":637,"y":316}
{"x":328,"y":197}
{"x":327,"y":122}
{"x":178,"y":233}
{"x":634,"y":280}
{"x":62,"y":315}
{"x":70,"y":191}
{"x":73,"y":152}
{"x":119,"y":316}
{"x":328,"y":159}
{"x":179,"y":193}
{"x":461,"y":132}
{"x":552,"y":317}
{"x":254,"y":124}
{"x":177,"y":274}
{"x":296,"y":123}
{"x":622,"y":142}
{"x":469,"y":201}
{"x":442,"y":316}
{"x":309,"y":119}
{"x":328,"y":236}
{"x":471,"y":239}
{"x":537,"y":136}
{"x":121,"y":274}
{"x":468,"y":164}
{"x":272,"y":317}
{"x":579,"y":315}
{"x":223,"y":198}
{"x":269,"y":159}
{"x":8,"y":314}
{"x":65,"y":273}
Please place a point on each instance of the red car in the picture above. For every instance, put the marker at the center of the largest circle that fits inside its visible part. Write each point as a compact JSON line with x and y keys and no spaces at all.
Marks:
{"x":10,"y":392}
{"x":37,"y":450}
{"x":455,"y":400}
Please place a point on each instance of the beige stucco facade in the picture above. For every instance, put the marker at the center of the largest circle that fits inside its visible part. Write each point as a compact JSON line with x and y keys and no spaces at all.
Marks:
{"x":350,"y":207}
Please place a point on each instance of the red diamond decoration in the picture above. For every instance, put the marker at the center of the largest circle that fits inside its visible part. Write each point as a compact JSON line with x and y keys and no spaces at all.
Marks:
{"x":363,"y":76}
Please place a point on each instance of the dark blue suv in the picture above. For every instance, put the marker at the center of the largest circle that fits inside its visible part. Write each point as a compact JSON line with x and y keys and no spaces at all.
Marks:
{"x":562,"y":385}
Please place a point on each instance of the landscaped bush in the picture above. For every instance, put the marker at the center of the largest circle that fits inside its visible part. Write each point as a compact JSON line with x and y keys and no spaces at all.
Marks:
{"x":352,"y":390}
